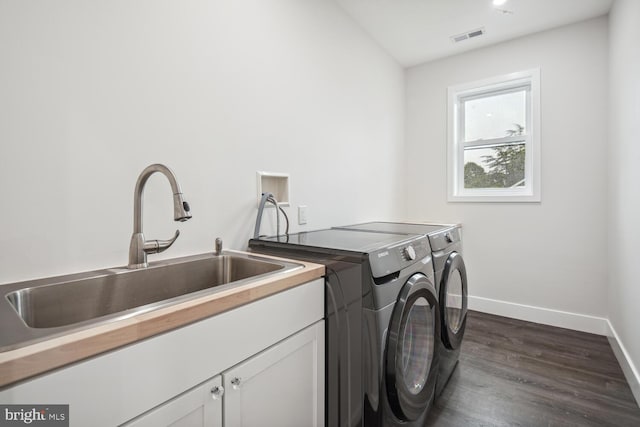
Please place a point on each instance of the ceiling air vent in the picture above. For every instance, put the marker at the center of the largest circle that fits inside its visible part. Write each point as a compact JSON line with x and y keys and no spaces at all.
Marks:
{"x":468,"y":35}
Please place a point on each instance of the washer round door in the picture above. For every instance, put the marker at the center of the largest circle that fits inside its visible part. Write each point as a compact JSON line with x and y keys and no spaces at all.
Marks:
{"x":411,"y":363}
{"x":453,"y":301}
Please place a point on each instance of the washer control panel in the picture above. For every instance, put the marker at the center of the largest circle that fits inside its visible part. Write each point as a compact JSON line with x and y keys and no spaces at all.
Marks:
{"x":394,"y":258}
{"x":444,"y":238}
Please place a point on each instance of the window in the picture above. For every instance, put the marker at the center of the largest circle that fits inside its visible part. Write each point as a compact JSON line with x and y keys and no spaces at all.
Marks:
{"x":494,"y":139}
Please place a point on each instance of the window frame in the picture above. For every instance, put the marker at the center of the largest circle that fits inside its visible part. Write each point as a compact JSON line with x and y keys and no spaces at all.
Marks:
{"x":506,"y":83}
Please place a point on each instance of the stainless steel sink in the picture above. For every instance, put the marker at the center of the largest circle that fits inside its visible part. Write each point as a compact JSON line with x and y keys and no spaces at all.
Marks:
{"x":48,"y":307}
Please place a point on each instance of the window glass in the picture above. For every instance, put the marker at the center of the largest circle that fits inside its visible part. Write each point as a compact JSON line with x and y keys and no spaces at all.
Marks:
{"x":499,"y":166}
{"x":495,"y":116}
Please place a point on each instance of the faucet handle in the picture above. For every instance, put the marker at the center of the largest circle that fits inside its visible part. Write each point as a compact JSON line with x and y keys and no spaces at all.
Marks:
{"x":218,"y":246}
{"x":157,"y":246}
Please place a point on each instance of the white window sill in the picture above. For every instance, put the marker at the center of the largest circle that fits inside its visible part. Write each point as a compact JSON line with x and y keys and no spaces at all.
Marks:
{"x":494,"y":198}
{"x":497,"y":195}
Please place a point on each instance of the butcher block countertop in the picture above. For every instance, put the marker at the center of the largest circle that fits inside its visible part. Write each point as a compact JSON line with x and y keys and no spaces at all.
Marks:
{"x":44,"y":355}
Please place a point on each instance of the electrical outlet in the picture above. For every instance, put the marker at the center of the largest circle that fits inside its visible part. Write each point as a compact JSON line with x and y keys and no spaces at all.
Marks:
{"x":302,"y":215}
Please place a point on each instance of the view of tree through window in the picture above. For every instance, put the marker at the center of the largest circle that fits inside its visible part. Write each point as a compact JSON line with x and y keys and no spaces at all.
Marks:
{"x":494,"y":131}
{"x":504,"y":168}
{"x":500,"y":166}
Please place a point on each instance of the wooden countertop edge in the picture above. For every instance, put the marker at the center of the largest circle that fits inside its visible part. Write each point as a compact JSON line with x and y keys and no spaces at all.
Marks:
{"x":25,"y":362}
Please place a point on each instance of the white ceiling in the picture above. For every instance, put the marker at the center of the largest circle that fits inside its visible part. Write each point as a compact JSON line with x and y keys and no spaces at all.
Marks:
{"x":416,"y":31}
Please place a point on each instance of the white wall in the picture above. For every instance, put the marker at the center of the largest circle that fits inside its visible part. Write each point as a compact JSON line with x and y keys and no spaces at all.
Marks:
{"x":624,"y":201}
{"x":549,"y":255}
{"x":92,"y":92}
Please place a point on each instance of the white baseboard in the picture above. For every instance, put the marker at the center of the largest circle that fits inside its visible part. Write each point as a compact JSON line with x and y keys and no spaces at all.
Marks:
{"x":631,"y":373}
{"x":545,"y":316}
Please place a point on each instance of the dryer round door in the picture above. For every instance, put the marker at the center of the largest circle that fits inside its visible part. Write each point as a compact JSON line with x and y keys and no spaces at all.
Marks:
{"x":453,"y":301}
{"x":411,"y":363}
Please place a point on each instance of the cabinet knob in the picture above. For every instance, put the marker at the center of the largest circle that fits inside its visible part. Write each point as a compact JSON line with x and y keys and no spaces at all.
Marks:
{"x":217,"y":392}
{"x":235,"y":382}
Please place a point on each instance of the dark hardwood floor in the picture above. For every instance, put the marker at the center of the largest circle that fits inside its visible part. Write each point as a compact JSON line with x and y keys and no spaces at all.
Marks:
{"x":515,"y":373}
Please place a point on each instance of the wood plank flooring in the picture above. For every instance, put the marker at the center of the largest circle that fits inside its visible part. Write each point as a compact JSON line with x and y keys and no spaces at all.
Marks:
{"x":515,"y":373}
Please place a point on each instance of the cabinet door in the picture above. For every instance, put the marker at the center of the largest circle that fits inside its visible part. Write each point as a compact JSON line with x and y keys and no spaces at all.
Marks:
{"x":282,"y":386}
{"x":198,"y":407}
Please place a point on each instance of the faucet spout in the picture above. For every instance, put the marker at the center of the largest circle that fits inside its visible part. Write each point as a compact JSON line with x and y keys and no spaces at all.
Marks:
{"x":139,"y":247}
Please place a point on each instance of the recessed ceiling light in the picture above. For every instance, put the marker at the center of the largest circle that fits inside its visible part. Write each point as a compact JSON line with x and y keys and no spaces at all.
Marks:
{"x":499,"y":2}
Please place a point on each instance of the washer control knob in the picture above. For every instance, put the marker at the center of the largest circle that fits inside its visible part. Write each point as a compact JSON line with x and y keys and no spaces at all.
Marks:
{"x":409,"y":253}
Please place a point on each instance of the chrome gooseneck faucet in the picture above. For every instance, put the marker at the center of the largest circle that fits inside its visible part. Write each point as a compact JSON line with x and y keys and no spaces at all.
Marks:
{"x":139,"y":247}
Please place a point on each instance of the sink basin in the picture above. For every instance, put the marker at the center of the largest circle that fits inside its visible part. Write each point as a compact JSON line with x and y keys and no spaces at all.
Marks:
{"x":49,"y":305}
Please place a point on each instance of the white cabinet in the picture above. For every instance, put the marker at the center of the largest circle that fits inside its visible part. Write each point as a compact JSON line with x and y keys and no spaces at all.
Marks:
{"x":282,"y":386}
{"x":199,"y":407}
